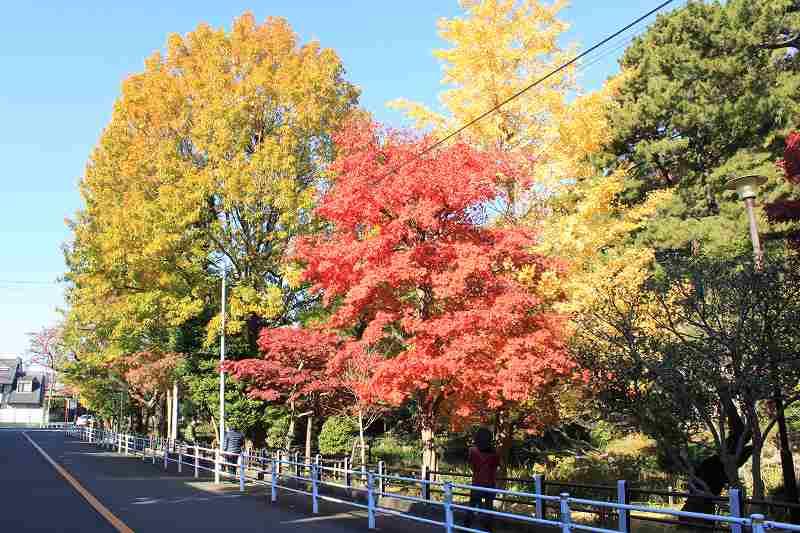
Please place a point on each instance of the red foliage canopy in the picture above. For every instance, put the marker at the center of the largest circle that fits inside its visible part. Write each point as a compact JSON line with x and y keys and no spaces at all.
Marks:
{"x":791,"y":158}
{"x":293,"y":366}
{"x":788,"y":210}
{"x":148,"y":373}
{"x":415,"y":274}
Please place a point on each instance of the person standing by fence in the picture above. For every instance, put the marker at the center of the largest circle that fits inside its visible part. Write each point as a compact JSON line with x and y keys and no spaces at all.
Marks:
{"x":483,"y":460}
{"x":232,"y":446}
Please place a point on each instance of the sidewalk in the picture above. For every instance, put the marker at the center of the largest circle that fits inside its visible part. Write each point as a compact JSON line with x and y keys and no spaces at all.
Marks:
{"x":148,"y":499}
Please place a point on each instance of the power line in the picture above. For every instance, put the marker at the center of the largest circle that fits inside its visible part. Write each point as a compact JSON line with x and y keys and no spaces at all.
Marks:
{"x":529,"y":87}
{"x":27,"y":282}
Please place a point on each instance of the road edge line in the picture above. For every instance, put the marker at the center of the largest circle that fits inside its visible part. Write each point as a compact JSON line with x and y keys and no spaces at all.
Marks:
{"x":118,"y":524}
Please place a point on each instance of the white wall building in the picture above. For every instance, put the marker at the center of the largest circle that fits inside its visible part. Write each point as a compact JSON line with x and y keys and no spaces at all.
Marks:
{"x":21,"y":394}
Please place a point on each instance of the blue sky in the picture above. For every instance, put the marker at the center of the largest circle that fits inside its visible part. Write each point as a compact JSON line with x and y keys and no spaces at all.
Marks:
{"x":62,"y":63}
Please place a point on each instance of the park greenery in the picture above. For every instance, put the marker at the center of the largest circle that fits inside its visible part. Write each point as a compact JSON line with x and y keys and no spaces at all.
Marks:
{"x":570,"y":270}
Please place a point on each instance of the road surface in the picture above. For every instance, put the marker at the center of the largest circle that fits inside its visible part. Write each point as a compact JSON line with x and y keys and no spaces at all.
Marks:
{"x":34,"y":497}
{"x":143,"y":498}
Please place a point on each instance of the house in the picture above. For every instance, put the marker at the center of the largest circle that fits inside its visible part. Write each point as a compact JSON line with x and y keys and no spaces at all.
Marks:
{"x":21,"y":394}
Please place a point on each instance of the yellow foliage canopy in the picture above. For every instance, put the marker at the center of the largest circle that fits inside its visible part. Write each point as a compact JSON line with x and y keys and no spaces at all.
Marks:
{"x":213,"y":155}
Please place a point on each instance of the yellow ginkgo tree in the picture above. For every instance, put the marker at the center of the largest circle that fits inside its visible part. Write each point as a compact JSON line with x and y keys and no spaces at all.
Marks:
{"x":497,"y":49}
{"x":213,"y":156}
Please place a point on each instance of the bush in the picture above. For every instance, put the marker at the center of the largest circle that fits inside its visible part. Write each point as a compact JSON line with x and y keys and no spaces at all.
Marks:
{"x":396,"y":452}
{"x":337,"y":435}
{"x":602,"y":433}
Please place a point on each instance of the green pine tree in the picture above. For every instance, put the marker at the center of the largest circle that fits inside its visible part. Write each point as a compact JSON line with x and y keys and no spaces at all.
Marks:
{"x":710,"y":94}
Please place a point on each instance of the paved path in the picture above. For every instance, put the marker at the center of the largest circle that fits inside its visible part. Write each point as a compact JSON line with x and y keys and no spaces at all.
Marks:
{"x":34,"y":497}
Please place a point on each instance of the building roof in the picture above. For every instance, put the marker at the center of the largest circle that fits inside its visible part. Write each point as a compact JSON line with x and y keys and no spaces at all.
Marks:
{"x":8,"y":370}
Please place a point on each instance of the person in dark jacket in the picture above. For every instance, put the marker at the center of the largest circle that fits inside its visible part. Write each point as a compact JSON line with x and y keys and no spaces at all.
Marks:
{"x":483,"y":460}
{"x":232,"y":446}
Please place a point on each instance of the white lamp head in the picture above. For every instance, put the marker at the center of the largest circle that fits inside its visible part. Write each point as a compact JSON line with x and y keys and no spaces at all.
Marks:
{"x":746,"y":186}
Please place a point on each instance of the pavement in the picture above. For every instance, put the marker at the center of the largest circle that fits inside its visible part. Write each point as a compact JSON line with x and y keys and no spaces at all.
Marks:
{"x":33,"y":497}
{"x":145,"y":498}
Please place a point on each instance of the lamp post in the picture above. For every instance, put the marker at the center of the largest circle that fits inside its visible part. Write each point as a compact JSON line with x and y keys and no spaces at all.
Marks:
{"x":747,"y":187}
{"x":221,"y":371}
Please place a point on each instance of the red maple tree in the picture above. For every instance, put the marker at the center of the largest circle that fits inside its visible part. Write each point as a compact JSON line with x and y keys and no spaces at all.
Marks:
{"x":413,"y":271}
{"x":292,"y":370}
{"x":788,"y":210}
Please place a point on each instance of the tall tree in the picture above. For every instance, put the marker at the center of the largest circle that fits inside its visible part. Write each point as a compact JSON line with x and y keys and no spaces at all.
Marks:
{"x":703,"y":100}
{"x":497,"y":48}
{"x":292,"y":370}
{"x":213,"y":155}
{"x":411,"y":272}
{"x":699,"y":352}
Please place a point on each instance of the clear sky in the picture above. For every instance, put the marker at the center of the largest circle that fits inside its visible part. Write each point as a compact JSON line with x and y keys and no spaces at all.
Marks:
{"x":62,"y":63}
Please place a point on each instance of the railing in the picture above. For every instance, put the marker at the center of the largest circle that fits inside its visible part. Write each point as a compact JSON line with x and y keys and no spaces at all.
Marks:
{"x":371,"y":490}
{"x":56,"y":425}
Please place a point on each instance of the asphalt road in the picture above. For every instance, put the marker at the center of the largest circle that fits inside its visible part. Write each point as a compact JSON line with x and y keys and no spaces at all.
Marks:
{"x":34,"y":496}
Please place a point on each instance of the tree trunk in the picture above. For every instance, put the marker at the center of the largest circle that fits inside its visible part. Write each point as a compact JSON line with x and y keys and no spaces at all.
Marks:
{"x":505,"y":441}
{"x":290,"y":430}
{"x":361,"y":437}
{"x":787,"y":461}
{"x":138,"y":420}
{"x":309,"y":432}
{"x":430,"y":459}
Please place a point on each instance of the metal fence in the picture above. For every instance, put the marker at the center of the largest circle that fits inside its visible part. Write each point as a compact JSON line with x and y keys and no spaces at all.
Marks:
{"x":439,"y":501}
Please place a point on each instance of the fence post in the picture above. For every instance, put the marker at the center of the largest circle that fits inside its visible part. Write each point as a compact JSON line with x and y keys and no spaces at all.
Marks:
{"x":165,"y":449}
{"x":426,"y":487}
{"x":314,"y":490}
{"x":735,"y":502}
{"x":274,"y":481}
{"x":448,"y":507}
{"x":127,"y":444}
{"x":622,"y":497}
{"x":297,"y":464}
{"x":216,"y":465}
{"x":196,"y":461}
{"x":757,"y":521}
{"x":241,"y":471}
{"x":670,"y":498}
{"x":347,"y":479}
{"x":180,"y":458}
{"x":566,"y":514}
{"x":538,"y":490}
{"x":371,"y":500}
{"x":318,"y":462}
{"x":381,"y":481}
{"x":119,"y":443}
{"x":153,"y":449}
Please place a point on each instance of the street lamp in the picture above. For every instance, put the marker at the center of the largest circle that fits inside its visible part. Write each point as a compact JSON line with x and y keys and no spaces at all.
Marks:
{"x":747,"y":187}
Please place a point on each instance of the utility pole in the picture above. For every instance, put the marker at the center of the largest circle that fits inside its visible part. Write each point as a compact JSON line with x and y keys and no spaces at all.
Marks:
{"x":221,"y":371}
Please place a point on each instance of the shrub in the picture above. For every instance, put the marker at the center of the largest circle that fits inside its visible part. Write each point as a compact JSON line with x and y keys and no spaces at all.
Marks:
{"x":337,"y":435}
{"x":602,"y":433}
{"x":396,"y":452}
